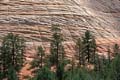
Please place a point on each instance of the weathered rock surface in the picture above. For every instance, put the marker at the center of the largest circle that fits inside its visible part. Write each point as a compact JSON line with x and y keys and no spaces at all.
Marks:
{"x":33,"y":19}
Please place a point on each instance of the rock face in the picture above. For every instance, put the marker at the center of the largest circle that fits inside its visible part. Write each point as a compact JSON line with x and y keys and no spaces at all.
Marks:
{"x":33,"y":19}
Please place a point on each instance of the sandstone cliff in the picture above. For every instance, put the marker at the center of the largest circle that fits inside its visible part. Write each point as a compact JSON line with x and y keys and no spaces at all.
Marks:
{"x":33,"y":19}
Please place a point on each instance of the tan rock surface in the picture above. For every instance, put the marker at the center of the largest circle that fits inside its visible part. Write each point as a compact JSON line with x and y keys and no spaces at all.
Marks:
{"x":33,"y":20}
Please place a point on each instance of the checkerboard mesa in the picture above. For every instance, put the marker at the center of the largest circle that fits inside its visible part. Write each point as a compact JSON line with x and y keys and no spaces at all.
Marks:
{"x":33,"y":18}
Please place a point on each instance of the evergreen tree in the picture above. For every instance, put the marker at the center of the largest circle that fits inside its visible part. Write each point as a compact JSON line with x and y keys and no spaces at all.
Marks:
{"x":80,"y":54}
{"x":44,"y":74}
{"x":57,"y":50}
{"x":116,"y":50}
{"x":104,"y":66}
{"x":39,"y":59}
{"x":89,"y":46}
{"x":79,"y":74}
{"x":93,"y":50}
{"x":12,"y":53}
{"x":41,"y":53}
{"x":12,"y":75}
{"x":1,"y":71}
{"x":97,"y":65}
{"x":109,"y":55}
{"x":114,"y":73}
{"x":73,"y":66}
{"x":60,"y":70}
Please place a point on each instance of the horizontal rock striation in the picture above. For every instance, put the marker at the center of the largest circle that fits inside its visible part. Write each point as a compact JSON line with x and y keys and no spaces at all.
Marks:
{"x":33,"y":19}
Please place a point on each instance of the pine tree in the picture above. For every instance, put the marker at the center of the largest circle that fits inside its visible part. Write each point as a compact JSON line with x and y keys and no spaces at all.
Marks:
{"x":109,"y":55}
{"x":114,"y":73}
{"x":93,"y":50}
{"x":39,"y":59}
{"x":89,"y":46}
{"x":97,"y":64}
{"x":116,"y":50}
{"x":12,"y":74}
{"x":80,"y":54}
{"x":60,"y":70}
{"x":1,"y":75}
{"x":12,"y":52}
{"x":44,"y":74}
{"x":57,"y":50}
{"x":41,"y":54}
{"x":103,"y":70}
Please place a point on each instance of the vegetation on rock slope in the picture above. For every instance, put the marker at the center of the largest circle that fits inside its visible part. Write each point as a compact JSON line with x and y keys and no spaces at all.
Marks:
{"x":104,"y":68}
